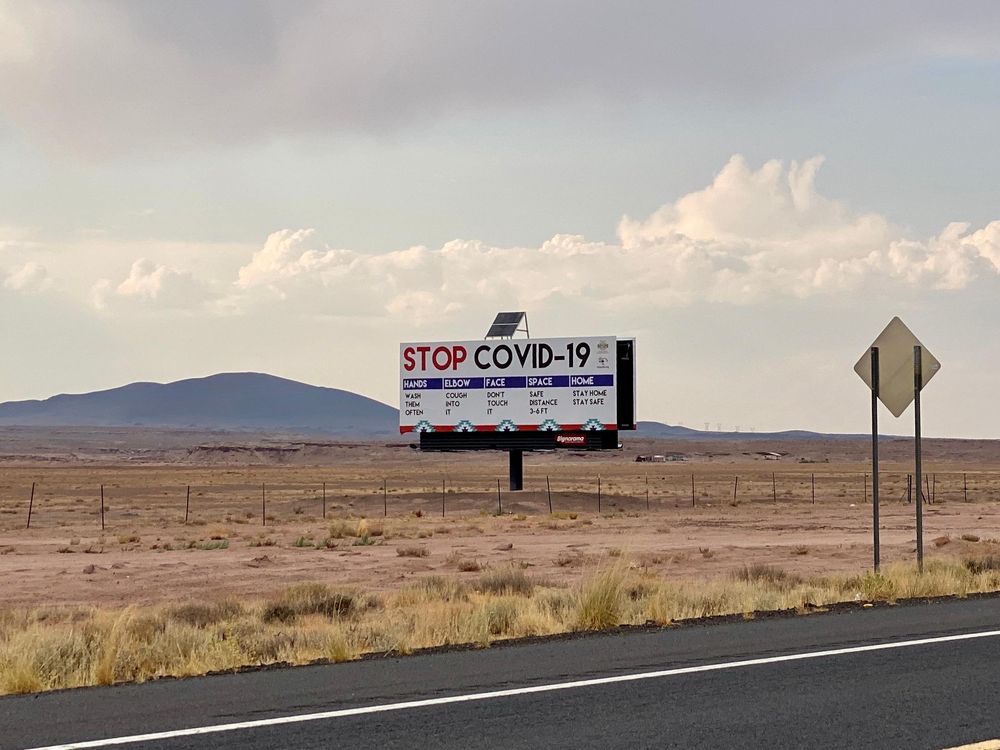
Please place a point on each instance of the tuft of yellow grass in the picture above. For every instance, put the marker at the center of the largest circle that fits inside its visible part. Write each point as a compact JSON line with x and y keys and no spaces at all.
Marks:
{"x":44,"y":649}
{"x":600,"y":600}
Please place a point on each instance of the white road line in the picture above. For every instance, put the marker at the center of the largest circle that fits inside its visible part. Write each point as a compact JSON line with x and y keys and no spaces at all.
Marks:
{"x":296,"y":719}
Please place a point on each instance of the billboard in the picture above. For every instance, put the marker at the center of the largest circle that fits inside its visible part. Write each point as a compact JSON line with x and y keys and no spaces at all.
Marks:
{"x":524,"y":385}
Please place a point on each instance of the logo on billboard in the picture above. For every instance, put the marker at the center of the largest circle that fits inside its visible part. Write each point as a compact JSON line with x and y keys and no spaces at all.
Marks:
{"x":571,"y":439}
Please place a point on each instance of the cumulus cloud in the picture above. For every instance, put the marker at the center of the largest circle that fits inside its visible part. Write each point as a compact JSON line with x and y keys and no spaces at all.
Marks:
{"x":754,"y":234}
{"x":110,"y":74}
{"x":153,"y":284}
{"x":751,"y":235}
{"x":31,"y":277}
{"x":16,"y":238}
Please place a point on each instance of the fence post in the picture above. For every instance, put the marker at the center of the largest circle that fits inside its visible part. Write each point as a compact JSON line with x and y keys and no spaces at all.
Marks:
{"x":324,"y":499}
{"x":385,"y":498}
{"x":263,"y":505}
{"x":814,"y":487}
{"x":442,"y":498}
{"x":866,"y":487}
{"x":499,"y":504}
{"x":548,"y":489}
{"x":102,"y":507}
{"x":647,"y":493}
{"x":31,"y":503}
{"x":774,"y":489}
{"x":965,"y":487}
{"x":187,"y":504}
{"x":927,"y":484}
{"x":934,"y":488}
{"x":736,"y":485}
{"x":598,"y":493}
{"x":692,"y":491}
{"x":909,"y":489}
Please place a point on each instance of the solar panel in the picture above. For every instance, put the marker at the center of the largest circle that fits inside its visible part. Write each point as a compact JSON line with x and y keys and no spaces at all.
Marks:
{"x":505,"y":324}
{"x":509,"y":317}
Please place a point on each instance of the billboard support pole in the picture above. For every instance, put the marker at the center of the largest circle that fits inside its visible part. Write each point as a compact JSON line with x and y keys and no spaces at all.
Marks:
{"x":875,"y":530}
{"x":516,"y":470}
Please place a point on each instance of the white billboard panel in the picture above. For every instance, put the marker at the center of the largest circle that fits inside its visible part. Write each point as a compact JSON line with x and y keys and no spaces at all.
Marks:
{"x":562,"y":384}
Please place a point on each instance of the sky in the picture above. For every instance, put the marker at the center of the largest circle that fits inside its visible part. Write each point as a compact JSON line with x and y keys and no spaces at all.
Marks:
{"x":752,"y":190}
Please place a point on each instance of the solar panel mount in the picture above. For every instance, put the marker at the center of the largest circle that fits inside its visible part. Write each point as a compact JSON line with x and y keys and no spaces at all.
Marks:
{"x":506,"y":324}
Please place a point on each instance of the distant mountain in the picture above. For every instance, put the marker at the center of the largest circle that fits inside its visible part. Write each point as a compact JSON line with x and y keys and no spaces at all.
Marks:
{"x":255,"y":401}
{"x":661,"y":430}
{"x":239,"y":401}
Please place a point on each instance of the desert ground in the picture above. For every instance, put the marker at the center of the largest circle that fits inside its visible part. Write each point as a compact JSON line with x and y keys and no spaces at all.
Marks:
{"x":255,"y":522}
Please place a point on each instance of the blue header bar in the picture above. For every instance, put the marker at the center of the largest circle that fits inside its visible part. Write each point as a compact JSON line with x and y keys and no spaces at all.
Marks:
{"x":520,"y":381}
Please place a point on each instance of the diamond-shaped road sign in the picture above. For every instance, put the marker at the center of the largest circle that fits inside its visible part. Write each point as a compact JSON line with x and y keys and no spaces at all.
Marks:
{"x":895,"y":366}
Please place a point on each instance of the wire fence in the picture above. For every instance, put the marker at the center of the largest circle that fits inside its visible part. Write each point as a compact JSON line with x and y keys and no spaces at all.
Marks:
{"x":53,"y":503}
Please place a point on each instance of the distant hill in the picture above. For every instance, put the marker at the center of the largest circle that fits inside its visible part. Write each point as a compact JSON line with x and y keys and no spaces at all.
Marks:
{"x":255,"y":401}
{"x":661,"y":430}
{"x":238,"y":401}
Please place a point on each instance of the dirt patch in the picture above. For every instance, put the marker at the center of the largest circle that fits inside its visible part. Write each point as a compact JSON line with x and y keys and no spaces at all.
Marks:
{"x":255,"y":522}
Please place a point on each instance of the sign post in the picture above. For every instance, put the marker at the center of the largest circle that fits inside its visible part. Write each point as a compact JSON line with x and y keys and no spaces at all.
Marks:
{"x":917,"y":385}
{"x":875,"y":528}
{"x":896,"y":368}
{"x":516,"y":470}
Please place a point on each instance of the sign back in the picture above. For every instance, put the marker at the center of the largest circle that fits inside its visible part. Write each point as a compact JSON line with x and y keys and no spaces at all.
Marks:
{"x":895,"y":349}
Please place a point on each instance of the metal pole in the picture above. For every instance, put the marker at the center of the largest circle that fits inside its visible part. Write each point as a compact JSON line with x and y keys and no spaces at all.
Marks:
{"x":736,"y":485}
{"x":598,"y":493}
{"x":918,"y":380}
{"x":814,"y":488}
{"x":965,"y":487}
{"x":692,"y":490}
{"x":385,"y":499}
{"x":442,"y":498}
{"x":516,"y":470}
{"x":548,"y":489}
{"x":499,"y":505}
{"x":324,"y":499}
{"x":31,"y":503}
{"x":102,"y":507}
{"x":263,"y":505}
{"x":774,"y":489}
{"x":875,"y":508}
{"x":647,"y":493}
{"x":187,"y":504}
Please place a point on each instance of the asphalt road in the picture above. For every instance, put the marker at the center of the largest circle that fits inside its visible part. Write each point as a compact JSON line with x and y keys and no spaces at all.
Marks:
{"x":926,"y":695}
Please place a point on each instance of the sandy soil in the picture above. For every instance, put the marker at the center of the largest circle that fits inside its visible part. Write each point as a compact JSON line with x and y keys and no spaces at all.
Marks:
{"x":147,"y":553}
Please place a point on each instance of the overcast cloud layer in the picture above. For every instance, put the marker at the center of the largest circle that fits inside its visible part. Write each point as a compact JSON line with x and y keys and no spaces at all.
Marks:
{"x":189,"y":187}
{"x":100,"y":77}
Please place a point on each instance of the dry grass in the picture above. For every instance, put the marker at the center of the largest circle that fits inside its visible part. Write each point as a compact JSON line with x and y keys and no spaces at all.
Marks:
{"x":46,"y":649}
{"x":505,"y":582}
{"x":412,"y":551}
